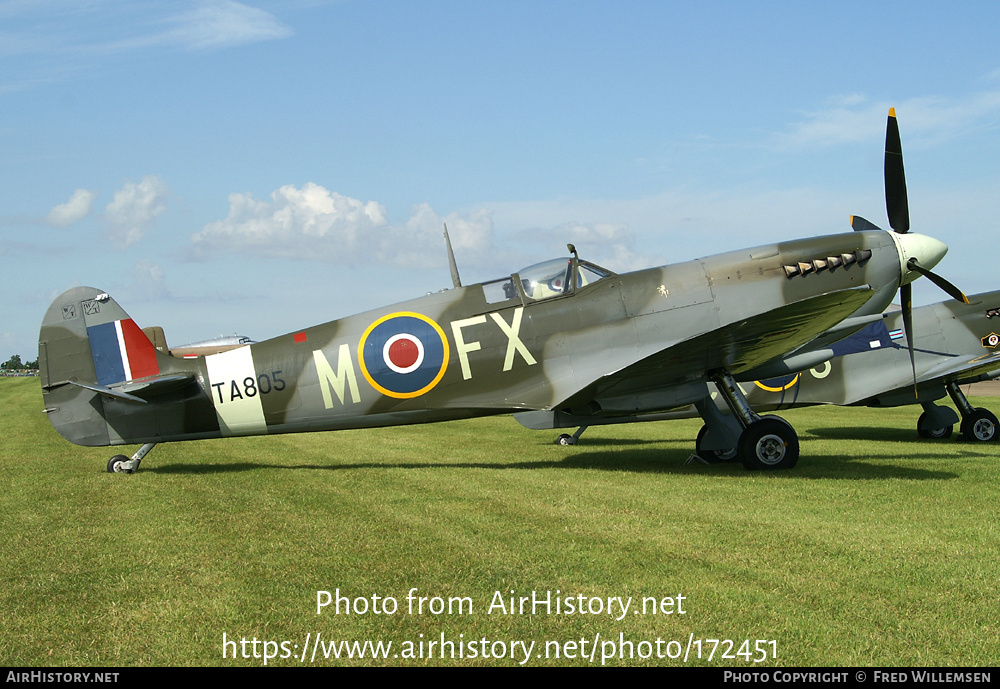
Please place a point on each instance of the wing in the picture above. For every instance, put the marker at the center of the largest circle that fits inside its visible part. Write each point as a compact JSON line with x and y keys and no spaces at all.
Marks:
{"x":677,"y":374}
{"x":962,"y":368}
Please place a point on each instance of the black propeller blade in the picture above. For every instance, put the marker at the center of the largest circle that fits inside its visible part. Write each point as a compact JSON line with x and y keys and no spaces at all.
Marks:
{"x":906,"y":296}
{"x":951,"y":289}
{"x":898,"y":209}
{"x":896,"y":205}
{"x":859,"y":224}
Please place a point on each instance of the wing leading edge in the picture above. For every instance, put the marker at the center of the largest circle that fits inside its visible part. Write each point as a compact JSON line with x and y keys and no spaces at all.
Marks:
{"x":677,"y":374}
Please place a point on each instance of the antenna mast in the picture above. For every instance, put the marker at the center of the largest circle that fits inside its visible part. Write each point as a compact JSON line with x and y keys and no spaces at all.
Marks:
{"x":455,"y":279}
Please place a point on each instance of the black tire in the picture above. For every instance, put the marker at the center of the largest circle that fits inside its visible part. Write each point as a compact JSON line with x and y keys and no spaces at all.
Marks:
{"x":769,"y":444}
{"x":933,"y":433}
{"x":565,"y":439}
{"x":713,"y":456}
{"x":115,"y":465}
{"x":980,"y":426}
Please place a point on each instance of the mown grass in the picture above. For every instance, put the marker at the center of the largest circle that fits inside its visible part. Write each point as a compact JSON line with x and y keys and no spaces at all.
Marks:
{"x":878,"y":549}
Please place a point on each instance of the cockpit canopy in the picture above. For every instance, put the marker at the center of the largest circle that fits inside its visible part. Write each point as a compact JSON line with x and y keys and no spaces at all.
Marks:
{"x":545,"y":280}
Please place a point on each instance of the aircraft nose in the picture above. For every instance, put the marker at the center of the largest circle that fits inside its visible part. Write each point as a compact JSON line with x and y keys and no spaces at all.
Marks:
{"x":927,"y":251}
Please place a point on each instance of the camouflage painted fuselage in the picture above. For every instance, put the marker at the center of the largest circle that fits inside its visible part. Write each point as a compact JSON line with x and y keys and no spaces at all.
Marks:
{"x":611,"y":345}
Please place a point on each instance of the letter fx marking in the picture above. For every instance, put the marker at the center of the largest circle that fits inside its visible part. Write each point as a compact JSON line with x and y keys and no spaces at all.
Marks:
{"x":514,"y":343}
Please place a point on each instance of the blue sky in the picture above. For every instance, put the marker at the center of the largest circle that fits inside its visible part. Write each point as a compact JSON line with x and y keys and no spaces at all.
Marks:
{"x":259,"y":167}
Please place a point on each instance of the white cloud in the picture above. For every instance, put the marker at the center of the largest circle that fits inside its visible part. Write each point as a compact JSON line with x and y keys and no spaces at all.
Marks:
{"x":313,"y":222}
{"x":421,"y":242}
{"x":607,"y":243}
{"x":854,"y":118}
{"x":210,"y":24}
{"x":77,"y":208}
{"x":295,"y":223}
{"x":676,"y":225}
{"x":223,"y":24}
{"x":134,"y":208}
{"x":149,"y":281}
{"x":109,"y":26}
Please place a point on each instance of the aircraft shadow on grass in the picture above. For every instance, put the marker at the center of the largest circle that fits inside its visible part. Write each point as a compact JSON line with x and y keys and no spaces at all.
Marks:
{"x":641,"y":461}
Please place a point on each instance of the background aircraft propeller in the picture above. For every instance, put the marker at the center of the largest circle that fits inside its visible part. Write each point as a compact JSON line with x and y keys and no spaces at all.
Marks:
{"x":898,"y":209}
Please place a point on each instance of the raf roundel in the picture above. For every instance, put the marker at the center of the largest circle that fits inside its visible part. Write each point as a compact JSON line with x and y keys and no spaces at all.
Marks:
{"x":780,"y":384}
{"x":403,"y":354}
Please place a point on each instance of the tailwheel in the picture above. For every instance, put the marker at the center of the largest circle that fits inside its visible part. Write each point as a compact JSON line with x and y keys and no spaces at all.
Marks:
{"x":932,"y":433}
{"x":769,"y":443}
{"x":118,"y":465}
{"x":981,"y":426}
{"x":712,"y":456}
{"x":567,"y":439}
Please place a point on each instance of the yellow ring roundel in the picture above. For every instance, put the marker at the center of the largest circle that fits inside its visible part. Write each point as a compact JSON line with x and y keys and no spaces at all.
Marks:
{"x":787,"y":386}
{"x":403,"y":354}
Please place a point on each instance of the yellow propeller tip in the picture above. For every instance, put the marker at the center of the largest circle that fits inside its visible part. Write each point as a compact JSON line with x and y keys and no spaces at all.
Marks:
{"x":892,"y":112}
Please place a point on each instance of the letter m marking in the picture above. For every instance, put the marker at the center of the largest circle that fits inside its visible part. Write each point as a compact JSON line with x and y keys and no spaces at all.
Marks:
{"x":330,"y":380}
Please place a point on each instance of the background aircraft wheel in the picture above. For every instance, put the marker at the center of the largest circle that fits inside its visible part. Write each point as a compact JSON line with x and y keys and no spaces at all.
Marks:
{"x":115,"y":465}
{"x":769,"y":443}
{"x":935,"y":433}
{"x":981,"y":425}
{"x":565,"y":439}
{"x":712,"y":456}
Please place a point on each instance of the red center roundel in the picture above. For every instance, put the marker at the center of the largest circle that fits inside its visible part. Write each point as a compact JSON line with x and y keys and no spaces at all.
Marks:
{"x":403,"y":353}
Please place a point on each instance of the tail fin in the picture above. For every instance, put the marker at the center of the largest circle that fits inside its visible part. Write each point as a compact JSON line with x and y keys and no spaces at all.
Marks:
{"x":87,"y":337}
{"x":96,"y":367}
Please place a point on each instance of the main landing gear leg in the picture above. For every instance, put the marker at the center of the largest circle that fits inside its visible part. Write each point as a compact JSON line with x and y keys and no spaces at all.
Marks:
{"x":120,"y":464}
{"x":718,"y":438}
{"x":767,"y":442}
{"x":978,"y":424}
{"x":567,"y":439}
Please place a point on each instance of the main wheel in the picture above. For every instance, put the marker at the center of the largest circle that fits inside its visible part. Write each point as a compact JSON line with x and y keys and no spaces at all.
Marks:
{"x":712,"y":456}
{"x":565,"y":439}
{"x":981,"y":425}
{"x":769,"y":443}
{"x":116,"y":465}
{"x":932,"y":433}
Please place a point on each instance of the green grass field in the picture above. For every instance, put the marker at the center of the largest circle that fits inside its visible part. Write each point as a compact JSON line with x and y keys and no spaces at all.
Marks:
{"x":878,"y":549}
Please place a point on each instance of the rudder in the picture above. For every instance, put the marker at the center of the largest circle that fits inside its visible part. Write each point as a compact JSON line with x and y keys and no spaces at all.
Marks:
{"x":87,"y":341}
{"x":87,"y":337}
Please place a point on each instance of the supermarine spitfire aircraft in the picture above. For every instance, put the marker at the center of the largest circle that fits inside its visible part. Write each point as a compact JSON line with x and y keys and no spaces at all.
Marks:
{"x":566,"y":339}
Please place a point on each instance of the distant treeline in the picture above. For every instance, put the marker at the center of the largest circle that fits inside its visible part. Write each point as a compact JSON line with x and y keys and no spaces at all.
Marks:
{"x":15,"y":365}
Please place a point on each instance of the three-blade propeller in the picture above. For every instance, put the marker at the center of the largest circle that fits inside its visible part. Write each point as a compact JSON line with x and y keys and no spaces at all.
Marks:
{"x":898,"y":210}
